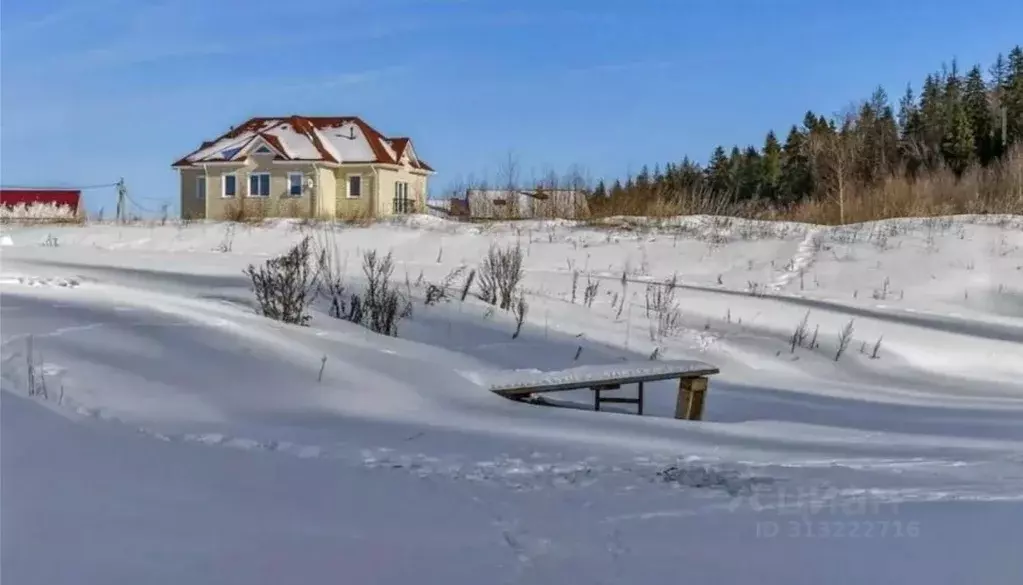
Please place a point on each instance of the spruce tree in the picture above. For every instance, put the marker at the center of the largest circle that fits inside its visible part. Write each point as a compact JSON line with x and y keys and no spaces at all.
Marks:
{"x":957,"y":145}
{"x":999,"y":72}
{"x":978,"y":109}
{"x":771,"y":166}
{"x":1013,"y":97}
{"x":932,"y":122}
{"x":796,"y":180}
{"x":718,"y":171}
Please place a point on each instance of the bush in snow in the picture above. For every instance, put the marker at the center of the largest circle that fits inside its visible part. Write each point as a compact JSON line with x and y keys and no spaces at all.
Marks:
{"x":285,"y":286}
{"x":520,"y":309}
{"x":500,"y":275}
{"x":381,"y":306}
{"x":438,"y":292}
{"x":844,"y":339}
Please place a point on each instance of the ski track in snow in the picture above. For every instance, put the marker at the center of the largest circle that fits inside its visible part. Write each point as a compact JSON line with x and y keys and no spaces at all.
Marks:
{"x":801,"y":262}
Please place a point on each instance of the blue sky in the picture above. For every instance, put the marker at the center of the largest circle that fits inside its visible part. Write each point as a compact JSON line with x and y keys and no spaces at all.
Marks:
{"x":93,"y":90}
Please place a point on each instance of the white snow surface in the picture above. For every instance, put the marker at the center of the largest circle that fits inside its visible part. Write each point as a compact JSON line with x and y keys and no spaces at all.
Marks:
{"x":183,"y":438}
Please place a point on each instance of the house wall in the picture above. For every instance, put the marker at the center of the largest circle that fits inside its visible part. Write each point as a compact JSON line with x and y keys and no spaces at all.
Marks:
{"x":192,"y":206}
{"x":278,"y":204}
{"x":326,"y":192}
{"x":391,"y":175}
{"x":362,"y":207}
{"x":328,"y":199}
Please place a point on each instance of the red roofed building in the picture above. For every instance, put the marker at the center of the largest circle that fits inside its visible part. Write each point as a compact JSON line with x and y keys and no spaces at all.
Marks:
{"x":302,"y":166}
{"x":11,"y":197}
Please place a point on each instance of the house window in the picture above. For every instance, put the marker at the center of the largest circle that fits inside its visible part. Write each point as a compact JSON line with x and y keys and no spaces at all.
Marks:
{"x":230,"y":185}
{"x":200,"y":187}
{"x":263,"y":150}
{"x":402,"y":204}
{"x":354,"y":187}
{"x":259,"y":185}
{"x":295,"y":182}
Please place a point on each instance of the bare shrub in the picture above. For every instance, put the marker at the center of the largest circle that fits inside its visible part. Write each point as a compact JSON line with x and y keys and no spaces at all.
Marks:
{"x":844,"y":339}
{"x":590,"y":294}
{"x":227,"y":242}
{"x":36,"y":379}
{"x":520,"y":309}
{"x":383,"y":306}
{"x":500,"y":275}
{"x":285,"y":286}
{"x":662,"y":308}
{"x":331,"y":284}
{"x":801,"y":332}
{"x":876,"y":354}
{"x":438,"y":292}
{"x":467,"y":286}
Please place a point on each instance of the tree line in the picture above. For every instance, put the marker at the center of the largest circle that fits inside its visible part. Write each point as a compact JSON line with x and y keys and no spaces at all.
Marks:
{"x":956,"y":122}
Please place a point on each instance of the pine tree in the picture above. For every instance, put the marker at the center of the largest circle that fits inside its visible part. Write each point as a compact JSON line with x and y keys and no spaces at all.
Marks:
{"x":907,"y":109}
{"x":932,"y":122}
{"x":771,"y":166}
{"x":643,"y":182}
{"x":617,"y":191}
{"x":999,"y":73}
{"x":718,"y":172}
{"x":735,"y":172}
{"x":1013,"y":97}
{"x":957,"y":143}
{"x":912,"y":150}
{"x":978,"y":109}
{"x":600,"y":191}
{"x":751,"y":174}
{"x":796,"y":180}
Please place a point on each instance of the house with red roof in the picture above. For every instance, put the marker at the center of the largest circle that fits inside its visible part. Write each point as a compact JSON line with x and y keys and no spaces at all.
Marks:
{"x":301,"y":166}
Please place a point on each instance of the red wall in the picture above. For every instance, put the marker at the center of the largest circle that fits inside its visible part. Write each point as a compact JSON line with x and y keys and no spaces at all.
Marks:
{"x":12,"y":197}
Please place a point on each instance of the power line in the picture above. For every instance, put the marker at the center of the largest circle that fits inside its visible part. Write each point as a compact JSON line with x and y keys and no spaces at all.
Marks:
{"x":70,"y":187}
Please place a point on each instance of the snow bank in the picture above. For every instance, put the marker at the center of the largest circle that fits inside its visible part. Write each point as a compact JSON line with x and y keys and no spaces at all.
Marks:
{"x":188,"y":419}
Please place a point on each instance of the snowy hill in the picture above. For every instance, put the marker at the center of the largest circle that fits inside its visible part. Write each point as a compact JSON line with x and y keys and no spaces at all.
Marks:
{"x":195,"y":441}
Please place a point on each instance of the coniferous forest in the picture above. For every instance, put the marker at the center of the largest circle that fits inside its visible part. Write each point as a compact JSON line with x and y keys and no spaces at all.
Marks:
{"x":953,"y":144}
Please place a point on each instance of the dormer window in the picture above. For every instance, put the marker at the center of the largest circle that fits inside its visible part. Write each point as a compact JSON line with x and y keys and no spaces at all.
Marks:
{"x":263,"y":150}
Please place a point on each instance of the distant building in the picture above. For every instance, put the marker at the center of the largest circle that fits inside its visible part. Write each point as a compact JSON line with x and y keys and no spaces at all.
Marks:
{"x":526,"y":204}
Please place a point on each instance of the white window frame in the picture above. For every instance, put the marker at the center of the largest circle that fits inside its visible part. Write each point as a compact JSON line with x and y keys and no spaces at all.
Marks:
{"x":301,"y":184}
{"x":348,"y":186}
{"x":223,"y":186}
{"x":200,"y":186}
{"x":269,"y":185}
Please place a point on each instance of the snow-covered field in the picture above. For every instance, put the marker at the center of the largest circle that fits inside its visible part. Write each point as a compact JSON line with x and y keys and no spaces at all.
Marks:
{"x":184,"y":439}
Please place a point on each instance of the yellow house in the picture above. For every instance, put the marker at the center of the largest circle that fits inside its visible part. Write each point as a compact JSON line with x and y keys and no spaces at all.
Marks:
{"x":303,"y":166}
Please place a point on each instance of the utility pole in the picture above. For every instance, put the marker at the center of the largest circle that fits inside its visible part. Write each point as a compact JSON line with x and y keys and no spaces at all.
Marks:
{"x":122,"y":193}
